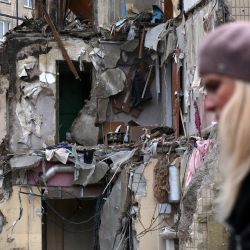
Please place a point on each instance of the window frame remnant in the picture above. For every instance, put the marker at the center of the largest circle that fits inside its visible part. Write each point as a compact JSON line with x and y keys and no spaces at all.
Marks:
{"x":4,"y":31}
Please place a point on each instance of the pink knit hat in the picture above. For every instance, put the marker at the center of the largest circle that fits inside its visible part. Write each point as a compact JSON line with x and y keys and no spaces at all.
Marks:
{"x":226,"y":51}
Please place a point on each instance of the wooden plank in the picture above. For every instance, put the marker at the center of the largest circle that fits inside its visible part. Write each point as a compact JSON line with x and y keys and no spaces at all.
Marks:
{"x":60,"y":43}
{"x":176,"y":87}
{"x":168,"y":9}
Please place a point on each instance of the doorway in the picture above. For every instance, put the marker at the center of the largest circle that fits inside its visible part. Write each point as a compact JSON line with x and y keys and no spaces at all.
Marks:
{"x":69,"y":224}
{"x":73,"y":94}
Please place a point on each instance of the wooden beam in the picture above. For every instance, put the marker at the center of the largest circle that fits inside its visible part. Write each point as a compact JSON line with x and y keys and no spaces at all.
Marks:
{"x":168,"y":9}
{"x":60,"y":43}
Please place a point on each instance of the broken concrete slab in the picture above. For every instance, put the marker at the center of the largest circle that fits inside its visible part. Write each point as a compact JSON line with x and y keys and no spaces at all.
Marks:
{"x":111,"y":59}
{"x":130,"y":46}
{"x":83,"y":130}
{"x":25,"y":161}
{"x":111,"y":82}
{"x":121,"y":157}
{"x":87,"y":176}
{"x":112,"y":213}
{"x":96,"y":57}
{"x":102,"y":108}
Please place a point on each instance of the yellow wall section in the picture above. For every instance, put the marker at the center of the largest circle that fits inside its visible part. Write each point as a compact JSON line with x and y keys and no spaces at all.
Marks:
{"x":27,"y":234}
{"x":151,"y":240}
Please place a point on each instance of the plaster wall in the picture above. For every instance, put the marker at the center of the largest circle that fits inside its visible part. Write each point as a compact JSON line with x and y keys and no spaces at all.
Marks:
{"x":27,"y":234}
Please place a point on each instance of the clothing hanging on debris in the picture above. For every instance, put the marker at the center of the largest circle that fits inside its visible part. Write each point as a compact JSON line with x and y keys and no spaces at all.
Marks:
{"x":197,"y":157}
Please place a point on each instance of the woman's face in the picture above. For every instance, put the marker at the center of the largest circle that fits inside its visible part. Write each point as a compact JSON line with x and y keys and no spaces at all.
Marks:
{"x":219,"y":90}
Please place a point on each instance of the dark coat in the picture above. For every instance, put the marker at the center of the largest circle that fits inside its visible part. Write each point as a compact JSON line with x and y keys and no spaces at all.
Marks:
{"x":239,"y":220}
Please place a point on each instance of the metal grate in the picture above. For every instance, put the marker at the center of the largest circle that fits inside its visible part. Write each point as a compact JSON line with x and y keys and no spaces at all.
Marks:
{"x":199,"y":229}
{"x":240,"y":9}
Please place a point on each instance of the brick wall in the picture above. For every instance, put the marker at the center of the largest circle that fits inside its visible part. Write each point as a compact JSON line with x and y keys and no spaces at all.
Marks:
{"x":10,"y":9}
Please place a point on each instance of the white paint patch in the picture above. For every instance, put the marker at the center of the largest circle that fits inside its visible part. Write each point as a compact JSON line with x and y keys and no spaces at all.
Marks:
{"x":47,"y":78}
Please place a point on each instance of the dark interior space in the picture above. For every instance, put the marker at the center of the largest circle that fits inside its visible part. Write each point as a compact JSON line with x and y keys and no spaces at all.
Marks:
{"x":72,"y":95}
{"x":69,"y":224}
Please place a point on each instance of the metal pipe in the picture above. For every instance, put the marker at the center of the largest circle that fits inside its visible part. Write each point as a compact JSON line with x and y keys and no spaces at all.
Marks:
{"x":58,"y":169}
{"x":16,"y":12}
{"x":174,"y":184}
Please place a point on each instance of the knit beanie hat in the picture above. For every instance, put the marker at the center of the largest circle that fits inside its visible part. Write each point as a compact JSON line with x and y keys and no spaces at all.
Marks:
{"x":226,"y":51}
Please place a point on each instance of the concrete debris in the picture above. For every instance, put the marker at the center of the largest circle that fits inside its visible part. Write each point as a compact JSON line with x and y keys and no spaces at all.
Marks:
{"x":26,"y":66}
{"x":120,"y":157}
{"x":130,"y":46}
{"x":111,"y":59}
{"x":169,"y":45}
{"x":110,"y":83}
{"x":96,"y":57}
{"x":92,"y":175}
{"x":83,"y":130}
{"x":102,"y":107}
{"x":112,"y":213}
{"x":25,"y":161}
{"x":32,"y":91}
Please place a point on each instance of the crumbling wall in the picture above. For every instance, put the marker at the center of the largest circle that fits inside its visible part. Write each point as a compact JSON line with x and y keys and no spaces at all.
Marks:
{"x":4,"y":85}
{"x":33,"y":109}
{"x":190,"y":34}
{"x":149,"y":222}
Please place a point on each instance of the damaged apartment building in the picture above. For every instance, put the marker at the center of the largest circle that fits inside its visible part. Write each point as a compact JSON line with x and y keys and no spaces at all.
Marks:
{"x":105,"y":142}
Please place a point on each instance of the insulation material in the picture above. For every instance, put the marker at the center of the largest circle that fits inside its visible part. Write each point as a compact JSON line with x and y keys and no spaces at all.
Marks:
{"x":120,"y":157}
{"x":27,"y":118}
{"x":170,"y":43}
{"x":153,"y":36}
{"x":161,"y":184}
{"x":47,"y":78}
{"x":61,"y":154}
{"x":27,"y":113}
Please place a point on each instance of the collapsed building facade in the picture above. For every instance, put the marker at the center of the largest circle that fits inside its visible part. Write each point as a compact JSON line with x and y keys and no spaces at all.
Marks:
{"x":101,"y":126}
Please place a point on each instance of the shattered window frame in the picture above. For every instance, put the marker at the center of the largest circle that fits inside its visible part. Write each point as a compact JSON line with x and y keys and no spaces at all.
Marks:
{"x":28,"y":4}
{"x":4,"y":31}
